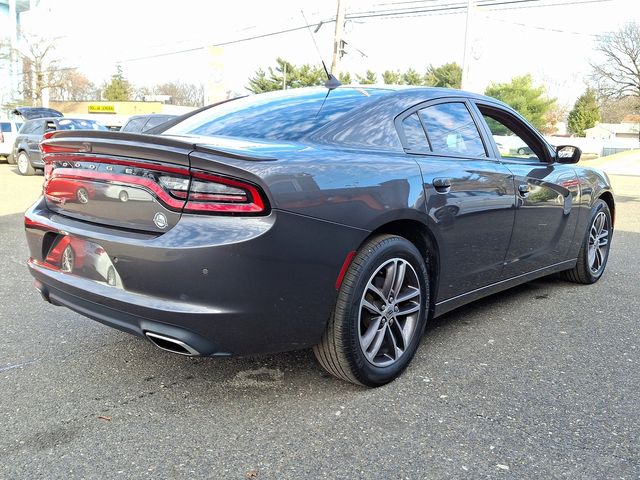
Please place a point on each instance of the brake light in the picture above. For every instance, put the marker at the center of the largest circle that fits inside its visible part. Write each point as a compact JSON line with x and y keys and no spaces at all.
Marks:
{"x":1,"y":137}
{"x":217,"y":194}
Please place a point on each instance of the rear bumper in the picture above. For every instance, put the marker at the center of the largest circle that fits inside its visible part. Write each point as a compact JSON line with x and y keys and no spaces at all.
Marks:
{"x":223,"y":285}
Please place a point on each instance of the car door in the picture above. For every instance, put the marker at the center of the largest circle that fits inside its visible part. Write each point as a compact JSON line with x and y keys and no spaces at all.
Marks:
{"x":469,"y":194}
{"x":547,"y":192}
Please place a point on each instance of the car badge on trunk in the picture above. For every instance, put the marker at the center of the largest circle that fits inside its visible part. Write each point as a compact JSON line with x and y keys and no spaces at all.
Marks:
{"x":160,"y":219}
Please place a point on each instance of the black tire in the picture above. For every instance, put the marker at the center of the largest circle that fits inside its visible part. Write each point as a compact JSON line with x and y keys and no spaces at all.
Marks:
{"x":24,"y":164}
{"x":340,"y":352}
{"x":11,"y":159}
{"x":521,"y":151}
{"x":584,"y":272}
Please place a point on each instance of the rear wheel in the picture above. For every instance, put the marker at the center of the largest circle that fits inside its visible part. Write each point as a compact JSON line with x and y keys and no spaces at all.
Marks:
{"x":24,"y":164}
{"x":11,"y":160}
{"x":380,"y":314}
{"x":594,"y":252}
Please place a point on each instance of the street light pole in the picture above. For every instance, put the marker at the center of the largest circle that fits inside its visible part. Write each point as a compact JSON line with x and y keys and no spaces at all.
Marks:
{"x":466,"y":56}
{"x":337,"y":37}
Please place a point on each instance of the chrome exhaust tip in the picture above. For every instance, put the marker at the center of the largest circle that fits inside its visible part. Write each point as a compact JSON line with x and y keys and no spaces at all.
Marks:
{"x":171,"y":344}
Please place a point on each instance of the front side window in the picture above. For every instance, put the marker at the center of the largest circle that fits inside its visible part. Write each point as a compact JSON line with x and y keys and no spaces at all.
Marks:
{"x":452,"y":131}
{"x":511,"y":139}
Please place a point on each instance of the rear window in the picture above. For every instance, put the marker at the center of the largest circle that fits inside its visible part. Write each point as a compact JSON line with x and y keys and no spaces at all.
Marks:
{"x":73,"y":124}
{"x":5,"y":127}
{"x":283,"y":115}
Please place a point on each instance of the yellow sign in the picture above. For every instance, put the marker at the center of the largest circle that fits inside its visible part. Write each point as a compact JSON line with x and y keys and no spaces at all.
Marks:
{"x":102,"y":109}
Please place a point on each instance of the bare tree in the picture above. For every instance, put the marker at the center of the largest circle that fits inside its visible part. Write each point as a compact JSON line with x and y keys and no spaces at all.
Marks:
{"x":186,"y":94}
{"x":39,"y":64}
{"x":74,"y":86}
{"x":618,"y":75}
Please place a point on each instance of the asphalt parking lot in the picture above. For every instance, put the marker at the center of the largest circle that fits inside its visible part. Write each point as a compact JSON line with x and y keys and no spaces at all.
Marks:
{"x":542,"y":381}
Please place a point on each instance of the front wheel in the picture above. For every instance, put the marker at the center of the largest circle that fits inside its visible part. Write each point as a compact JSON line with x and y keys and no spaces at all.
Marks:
{"x":594,"y":251}
{"x":380,"y":314}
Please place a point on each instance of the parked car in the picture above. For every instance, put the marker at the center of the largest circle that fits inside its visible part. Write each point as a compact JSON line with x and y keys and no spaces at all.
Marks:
{"x":143,"y":123}
{"x":8,"y":132}
{"x":26,"y":147}
{"x":308,"y":218}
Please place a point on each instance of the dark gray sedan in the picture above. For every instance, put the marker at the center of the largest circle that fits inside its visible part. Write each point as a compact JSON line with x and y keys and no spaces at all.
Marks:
{"x":340,"y":220}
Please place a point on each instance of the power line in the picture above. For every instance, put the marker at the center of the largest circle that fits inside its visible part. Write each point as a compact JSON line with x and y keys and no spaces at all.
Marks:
{"x":441,"y":9}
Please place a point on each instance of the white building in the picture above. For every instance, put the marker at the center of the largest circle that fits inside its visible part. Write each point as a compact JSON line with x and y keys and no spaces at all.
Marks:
{"x":614,"y":131}
{"x":10,"y":66}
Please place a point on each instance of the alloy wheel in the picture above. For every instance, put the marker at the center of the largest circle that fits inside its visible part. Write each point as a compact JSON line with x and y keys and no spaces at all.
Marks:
{"x":389,"y":312}
{"x":598,"y":242}
{"x":67,"y":260}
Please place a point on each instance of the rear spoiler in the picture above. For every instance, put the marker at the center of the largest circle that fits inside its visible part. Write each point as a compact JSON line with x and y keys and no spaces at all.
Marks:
{"x":125,"y":144}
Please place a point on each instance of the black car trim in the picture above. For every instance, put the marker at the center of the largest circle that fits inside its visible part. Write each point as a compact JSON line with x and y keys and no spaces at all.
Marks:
{"x":452,"y":303}
{"x":429,"y":103}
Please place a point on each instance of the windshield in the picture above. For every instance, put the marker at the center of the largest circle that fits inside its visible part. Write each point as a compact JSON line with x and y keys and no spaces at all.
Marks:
{"x":282,"y":115}
{"x":73,"y":124}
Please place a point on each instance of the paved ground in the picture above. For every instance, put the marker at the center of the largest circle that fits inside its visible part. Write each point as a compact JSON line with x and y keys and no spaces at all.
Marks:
{"x":539,"y":382}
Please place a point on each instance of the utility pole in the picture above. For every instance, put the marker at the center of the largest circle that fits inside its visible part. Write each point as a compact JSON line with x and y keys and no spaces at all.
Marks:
{"x":337,"y":37}
{"x":466,"y":56}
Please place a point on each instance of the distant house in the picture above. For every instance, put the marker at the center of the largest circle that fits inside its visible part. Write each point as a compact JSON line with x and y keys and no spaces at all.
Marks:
{"x":614,"y":131}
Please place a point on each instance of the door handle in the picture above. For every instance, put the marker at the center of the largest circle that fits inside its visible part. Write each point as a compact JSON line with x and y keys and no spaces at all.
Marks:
{"x":523,"y":189}
{"x":442,"y":184}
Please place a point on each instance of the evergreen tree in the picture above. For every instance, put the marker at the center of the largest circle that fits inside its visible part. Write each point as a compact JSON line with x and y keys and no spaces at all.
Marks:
{"x":368,"y":79}
{"x":411,"y":77}
{"x":585,"y":113}
{"x":392,"y":78}
{"x":118,"y":89}
{"x":521,"y":95}
{"x":448,"y":75}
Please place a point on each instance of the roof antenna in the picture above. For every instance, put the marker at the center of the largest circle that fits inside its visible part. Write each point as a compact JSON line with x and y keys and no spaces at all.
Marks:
{"x":332,"y":82}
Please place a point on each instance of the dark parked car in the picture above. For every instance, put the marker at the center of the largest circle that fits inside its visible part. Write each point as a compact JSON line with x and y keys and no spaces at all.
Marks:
{"x":143,"y":123}
{"x":283,"y":221}
{"x":26,"y":147}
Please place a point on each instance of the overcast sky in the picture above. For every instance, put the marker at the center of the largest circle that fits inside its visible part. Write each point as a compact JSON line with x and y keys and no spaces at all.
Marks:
{"x":554,"y":43}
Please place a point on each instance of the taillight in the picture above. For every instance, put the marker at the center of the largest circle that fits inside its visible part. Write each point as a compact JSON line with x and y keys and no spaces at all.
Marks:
{"x":1,"y":137}
{"x":216,"y":194}
{"x":178,"y":188}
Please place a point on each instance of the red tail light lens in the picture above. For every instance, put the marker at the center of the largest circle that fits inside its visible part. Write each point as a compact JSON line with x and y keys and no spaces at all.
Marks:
{"x":217,"y":194}
{"x":178,"y":188}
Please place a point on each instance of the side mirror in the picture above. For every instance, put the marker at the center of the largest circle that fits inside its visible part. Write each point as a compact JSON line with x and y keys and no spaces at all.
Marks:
{"x":568,"y":154}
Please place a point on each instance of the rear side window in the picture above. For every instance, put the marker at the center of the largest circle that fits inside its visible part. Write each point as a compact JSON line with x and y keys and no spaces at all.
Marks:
{"x":134,"y":125}
{"x":155,"y":121}
{"x":33,"y":127}
{"x":5,"y":127}
{"x":414,"y":133}
{"x":452,"y":131}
